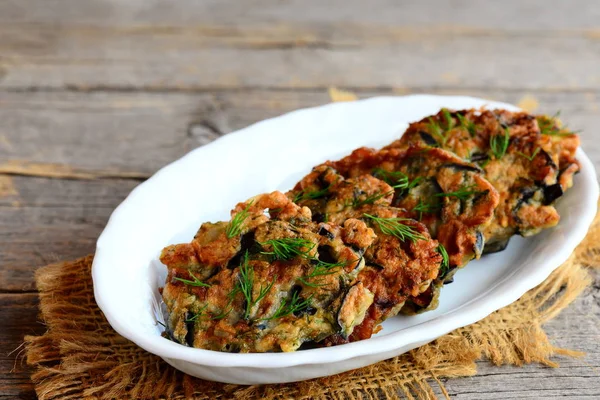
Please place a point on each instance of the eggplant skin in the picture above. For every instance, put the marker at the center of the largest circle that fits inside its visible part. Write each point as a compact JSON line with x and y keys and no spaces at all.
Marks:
{"x":534,"y":171}
{"x":209,"y":280}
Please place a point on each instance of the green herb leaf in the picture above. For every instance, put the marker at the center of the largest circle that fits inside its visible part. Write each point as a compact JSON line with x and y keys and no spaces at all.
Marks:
{"x":499,"y":144}
{"x":320,"y":269}
{"x":396,"y":227}
{"x":246,"y":284}
{"x":467,"y":124}
{"x":396,"y":179}
{"x":462,"y":194}
{"x":448,"y":117}
{"x":234,"y":227}
{"x":426,"y":208}
{"x":195,"y":282}
{"x":445,"y":265}
{"x":288,"y":248}
{"x":358,"y":202}
{"x":311,"y":195}
{"x":290,"y":306}
{"x":532,"y":156}
{"x":197,"y":315}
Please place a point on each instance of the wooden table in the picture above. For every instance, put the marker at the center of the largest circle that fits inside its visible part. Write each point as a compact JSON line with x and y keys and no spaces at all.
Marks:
{"x":97,"y":95}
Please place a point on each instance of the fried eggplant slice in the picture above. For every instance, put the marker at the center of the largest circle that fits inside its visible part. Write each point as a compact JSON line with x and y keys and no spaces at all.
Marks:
{"x":268,"y":280}
{"x":402,"y":261}
{"x":448,"y":194}
{"x":529,"y":160}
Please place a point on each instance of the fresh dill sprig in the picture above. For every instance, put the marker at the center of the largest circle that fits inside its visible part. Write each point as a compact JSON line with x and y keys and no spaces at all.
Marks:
{"x":195,"y":282}
{"x":445,"y":265}
{"x":234,"y":227}
{"x":288,"y":248}
{"x":370,"y":199}
{"x":396,"y":179}
{"x":499,"y":144}
{"x":426,"y":208}
{"x":448,"y":117}
{"x":467,"y":124}
{"x":197,"y":315}
{"x":320,"y":269}
{"x":532,"y":156}
{"x":462,"y":194}
{"x":435,"y":129}
{"x":246,"y":284}
{"x":550,"y":126}
{"x":290,"y":306}
{"x":396,"y":227}
{"x":311,"y":195}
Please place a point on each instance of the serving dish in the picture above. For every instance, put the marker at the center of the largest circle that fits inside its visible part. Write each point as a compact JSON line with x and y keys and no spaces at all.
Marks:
{"x":274,"y":154}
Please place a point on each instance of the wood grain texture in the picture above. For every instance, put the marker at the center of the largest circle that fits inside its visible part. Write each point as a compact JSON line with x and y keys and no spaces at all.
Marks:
{"x":228,"y":45}
{"x":18,"y":313}
{"x":49,"y":220}
{"x":96,"y":96}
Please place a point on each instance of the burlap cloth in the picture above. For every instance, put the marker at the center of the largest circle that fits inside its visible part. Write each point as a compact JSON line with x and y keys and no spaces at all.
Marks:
{"x":80,"y":356}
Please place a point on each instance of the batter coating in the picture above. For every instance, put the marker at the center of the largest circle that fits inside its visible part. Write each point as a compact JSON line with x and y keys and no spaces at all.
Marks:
{"x":269,"y":280}
{"x":529,"y":160}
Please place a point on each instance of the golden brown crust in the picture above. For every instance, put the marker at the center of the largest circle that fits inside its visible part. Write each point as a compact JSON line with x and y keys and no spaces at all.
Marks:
{"x":395,"y":269}
{"x":456,"y":223}
{"x":536,"y":167}
{"x":205,"y":297}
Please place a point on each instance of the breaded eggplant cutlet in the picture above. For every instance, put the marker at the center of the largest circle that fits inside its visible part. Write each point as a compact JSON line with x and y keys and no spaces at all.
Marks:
{"x":268,"y":280}
{"x":448,"y":194}
{"x":402,"y":261}
{"x":529,"y":160}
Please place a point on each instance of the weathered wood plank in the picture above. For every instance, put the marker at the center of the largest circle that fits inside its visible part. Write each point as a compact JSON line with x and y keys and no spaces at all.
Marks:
{"x":103,"y":134}
{"x":83,"y":57}
{"x":228,"y":45}
{"x":529,"y":15}
{"x":49,"y":220}
{"x":18,"y":313}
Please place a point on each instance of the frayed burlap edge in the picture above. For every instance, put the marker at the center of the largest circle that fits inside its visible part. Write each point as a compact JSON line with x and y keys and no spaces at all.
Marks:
{"x":80,"y":356}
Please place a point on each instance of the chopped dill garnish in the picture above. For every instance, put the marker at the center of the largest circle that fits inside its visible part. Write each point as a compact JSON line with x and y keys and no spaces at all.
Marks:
{"x":426,"y":208}
{"x":462,"y":194}
{"x":311,"y":195}
{"x":246,"y":284}
{"x":320,"y":269}
{"x":197,"y":315}
{"x":234,"y":227}
{"x":435,"y":129}
{"x":448,"y":117}
{"x":445,"y":265}
{"x":370,"y":199}
{"x":499,"y":144}
{"x":290,"y":306}
{"x":550,"y":126}
{"x":532,"y":156}
{"x":396,"y":179}
{"x":467,"y":124}
{"x":195,"y":282}
{"x":396,"y":227}
{"x":288,"y":248}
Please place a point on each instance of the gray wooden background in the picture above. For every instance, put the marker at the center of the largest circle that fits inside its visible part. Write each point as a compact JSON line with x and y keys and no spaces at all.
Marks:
{"x":96,"y":95}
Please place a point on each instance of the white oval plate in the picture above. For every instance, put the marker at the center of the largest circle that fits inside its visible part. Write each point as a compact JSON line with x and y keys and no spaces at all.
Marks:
{"x":273,"y":154}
